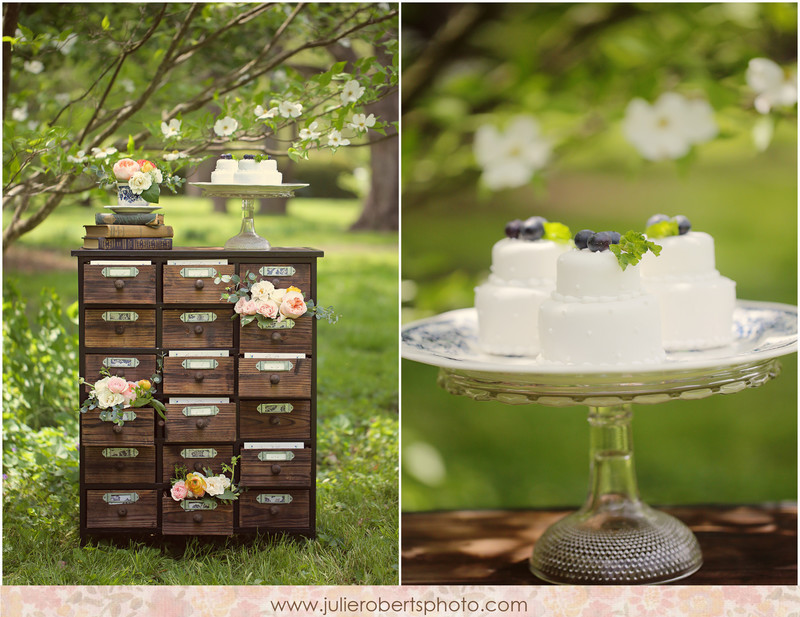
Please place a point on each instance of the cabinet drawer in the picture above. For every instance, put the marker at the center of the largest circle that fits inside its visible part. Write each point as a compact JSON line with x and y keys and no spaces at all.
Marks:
{"x":275,"y":420}
{"x":119,"y":465}
{"x":276,"y":467}
{"x":257,"y":380}
{"x":268,"y":509}
{"x":201,"y":423}
{"x":119,"y":284}
{"x":120,"y":328}
{"x":177,"y":521}
{"x":132,"y":367}
{"x":281,"y":275}
{"x":135,"y":432}
{"x":296,"y":339}
{"x":195,"y":376}
{"x":191,"y":329}
{"x":129,"y":509}
{"x":194,"y":284}
{"x":196,"y":458}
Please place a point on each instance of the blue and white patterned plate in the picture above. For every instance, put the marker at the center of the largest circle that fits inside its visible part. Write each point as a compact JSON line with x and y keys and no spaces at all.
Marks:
{"x":763,"y":330}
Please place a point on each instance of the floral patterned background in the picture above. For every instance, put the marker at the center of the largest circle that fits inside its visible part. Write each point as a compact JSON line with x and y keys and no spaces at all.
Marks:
{"x":674,"y":601}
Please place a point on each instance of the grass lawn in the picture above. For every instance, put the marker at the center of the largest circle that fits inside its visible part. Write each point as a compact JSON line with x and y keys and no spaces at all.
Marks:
{"x":357,"y":486}
{"x":725,"y":449}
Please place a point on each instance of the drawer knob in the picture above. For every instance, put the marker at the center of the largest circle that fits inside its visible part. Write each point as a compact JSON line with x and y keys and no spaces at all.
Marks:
{"x":274,"y":420}
{"x":197,"y":517}
{"x":119,"y":465}
{"x":117,"y":429}
{"x":198,"y":466}
{"x":274,"y":379}
{"x":161,"y":424}
{"x":122,"y":512}
{"x":199,"y":284}
{"x":273,"y":510}
{"x":277,"y":337}
{"x":276,"y":282}
{"x":119,"y":329}
{"x":198,"y":377}
{"x":198,"y":329}
{"x":201,"y":423}
{"x":276,"y":469}
{"x":119,"y":284}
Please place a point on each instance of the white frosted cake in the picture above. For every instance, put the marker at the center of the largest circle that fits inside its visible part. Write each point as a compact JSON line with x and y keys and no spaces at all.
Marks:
{"x":696,"y":301}
{"x":522,"y":276}
{"x":251,"y":171}
{"x":599,"y":314}
{"x":225,"y":170}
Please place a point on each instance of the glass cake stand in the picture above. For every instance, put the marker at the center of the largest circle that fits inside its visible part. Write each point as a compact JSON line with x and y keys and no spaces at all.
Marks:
{"x":614,"y":538}
{"x":247,"y":238}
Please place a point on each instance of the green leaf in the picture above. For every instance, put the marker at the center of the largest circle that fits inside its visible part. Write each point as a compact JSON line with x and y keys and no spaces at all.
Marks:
{"x":632,"y":246}
{"x":662,"y":229}
{"x":338,"y":67}
{"x":151,"y":195}
{"x":106,"y":23}
{"x":558,"y":232}
{"x":131,"y":146}
{"x":246,"y":319}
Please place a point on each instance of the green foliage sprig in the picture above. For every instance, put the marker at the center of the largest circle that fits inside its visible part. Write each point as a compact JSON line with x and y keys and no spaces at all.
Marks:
{"x":632,"y":247}
{"x":662,"y":229}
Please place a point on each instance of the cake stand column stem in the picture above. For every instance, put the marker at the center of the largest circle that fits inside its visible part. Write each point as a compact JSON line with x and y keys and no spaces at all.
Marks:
{"x":612,"y":476}
{"x":248,"y":212}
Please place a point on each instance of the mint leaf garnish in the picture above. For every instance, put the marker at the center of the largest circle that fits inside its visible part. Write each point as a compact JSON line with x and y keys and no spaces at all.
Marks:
{"x":662,"y":229}
{"x":632,"y":246}
{"x":558,"y":232}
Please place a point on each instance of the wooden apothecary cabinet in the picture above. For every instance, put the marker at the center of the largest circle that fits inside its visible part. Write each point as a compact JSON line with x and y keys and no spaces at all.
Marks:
{"x":229,"y":390}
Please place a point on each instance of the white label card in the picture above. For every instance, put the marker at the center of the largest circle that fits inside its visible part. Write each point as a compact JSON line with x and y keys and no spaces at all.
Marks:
{"x":275,"y":356}
{"x":197,"y":262}
{"x":198,"y":401}
{"x":199,"y":353}
{"x":119,"y":263}
{"x":274,"y":445}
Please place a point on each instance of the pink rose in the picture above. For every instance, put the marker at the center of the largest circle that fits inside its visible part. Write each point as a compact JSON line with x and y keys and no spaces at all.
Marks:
{"x":125,"y":168}
{"x":268,"y":309}
{"x":117,"y":385}
{"x":293,"y":305}
{"x":249,"y":307}
{"x":130,"y":392}
{"x":179,"y":490}
{"x":238,"y":308}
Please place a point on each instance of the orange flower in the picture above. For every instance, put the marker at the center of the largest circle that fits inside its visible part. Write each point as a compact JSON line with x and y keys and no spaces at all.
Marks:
{"x":196,"y":483}
{"x":144,"y":384}
{"x":293,"y":288}
{"x":145,"y":165}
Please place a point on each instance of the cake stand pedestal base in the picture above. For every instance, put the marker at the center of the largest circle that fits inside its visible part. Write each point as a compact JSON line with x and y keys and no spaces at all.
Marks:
{"x":247,"y":238}
{"x":615,"y":539}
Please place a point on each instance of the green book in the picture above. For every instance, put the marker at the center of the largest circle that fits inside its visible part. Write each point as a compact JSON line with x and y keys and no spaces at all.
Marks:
{"x":151,"y":219}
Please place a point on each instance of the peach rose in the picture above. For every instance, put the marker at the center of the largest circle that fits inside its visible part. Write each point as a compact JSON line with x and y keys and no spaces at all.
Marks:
{"x":130,"y":392}
{"x":293,"y":305}
{"x":125,"y":168}
{"x":179,"y":490}
{"x":117,"y":385}
{"x":238,"y":308}
{"x":267,"y":309}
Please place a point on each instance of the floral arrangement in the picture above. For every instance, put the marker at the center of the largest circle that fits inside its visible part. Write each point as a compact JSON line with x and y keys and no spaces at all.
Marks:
{"x":112,"y":394}
{"x":142,"y":176}
{"x":261,"y":301}
{"x":205,"y":486}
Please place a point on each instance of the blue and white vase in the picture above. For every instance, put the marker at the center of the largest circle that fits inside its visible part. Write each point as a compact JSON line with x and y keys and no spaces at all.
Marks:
{"x":126,"y":196}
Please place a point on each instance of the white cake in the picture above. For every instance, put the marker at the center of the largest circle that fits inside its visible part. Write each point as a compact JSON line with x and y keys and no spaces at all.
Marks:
{"x":522,"y":276}
{"x":268,"y":168}
{"x":225,"y":170}
{"x":696,"y":301}
{"x":599,"y":314}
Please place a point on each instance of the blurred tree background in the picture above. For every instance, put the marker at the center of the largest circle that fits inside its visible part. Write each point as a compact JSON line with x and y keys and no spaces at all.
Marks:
{"x":575,"y":68}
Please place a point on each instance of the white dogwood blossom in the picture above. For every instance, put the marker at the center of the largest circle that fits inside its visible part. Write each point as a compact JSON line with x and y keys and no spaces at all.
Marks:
{"x":510,"y":158}
{"x":668,"y":128}
{"x":773,"y":86}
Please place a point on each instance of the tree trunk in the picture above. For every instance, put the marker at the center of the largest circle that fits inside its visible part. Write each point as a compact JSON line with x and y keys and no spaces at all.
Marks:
{"x":9,"y":28}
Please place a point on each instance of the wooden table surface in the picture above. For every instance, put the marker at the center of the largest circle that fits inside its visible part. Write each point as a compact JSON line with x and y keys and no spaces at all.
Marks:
{"x":742,"y":545}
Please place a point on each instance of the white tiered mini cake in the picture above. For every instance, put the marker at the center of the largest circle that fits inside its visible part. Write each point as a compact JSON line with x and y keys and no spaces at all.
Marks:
{"x":599,"y":315}
{"x":522,"y":277}
{"x":696,"y":301}
{"x":264,"y":173}
{"x":225,"y":170}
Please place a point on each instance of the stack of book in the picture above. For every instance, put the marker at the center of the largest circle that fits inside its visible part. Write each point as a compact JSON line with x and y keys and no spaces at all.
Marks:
{"x":128,"y":231}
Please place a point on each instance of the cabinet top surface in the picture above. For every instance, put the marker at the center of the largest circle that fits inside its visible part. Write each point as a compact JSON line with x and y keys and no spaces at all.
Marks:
{"x":200,"y":253}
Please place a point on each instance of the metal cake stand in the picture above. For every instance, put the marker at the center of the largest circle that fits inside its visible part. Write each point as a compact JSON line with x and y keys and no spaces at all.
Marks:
{"x":247,"y":238}
{"x":614,"y":538}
